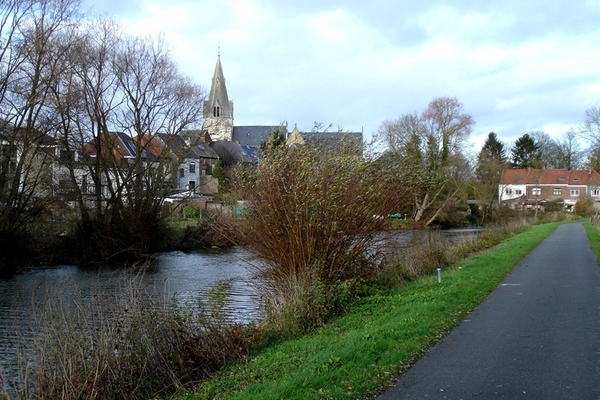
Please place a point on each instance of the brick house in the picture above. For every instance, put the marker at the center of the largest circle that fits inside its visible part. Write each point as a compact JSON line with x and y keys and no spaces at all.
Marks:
{"x":534,"y":188}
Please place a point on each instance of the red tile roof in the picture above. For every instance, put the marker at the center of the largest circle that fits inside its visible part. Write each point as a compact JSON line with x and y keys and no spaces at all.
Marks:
{"x":550,"y":177}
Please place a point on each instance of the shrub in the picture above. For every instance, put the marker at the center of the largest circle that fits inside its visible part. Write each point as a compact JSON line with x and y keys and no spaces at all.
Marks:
{"x":310,"y":216}
{"x":191,"y":212}
{"x":584,"y":207}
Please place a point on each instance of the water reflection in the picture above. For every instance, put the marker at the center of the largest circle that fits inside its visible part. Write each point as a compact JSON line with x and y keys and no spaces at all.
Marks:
{"x":189,"y":277}
{"x":184,"y":278}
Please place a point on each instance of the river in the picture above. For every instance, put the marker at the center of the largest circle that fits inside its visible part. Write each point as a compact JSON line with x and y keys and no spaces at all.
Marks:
{"x":176,"y":276}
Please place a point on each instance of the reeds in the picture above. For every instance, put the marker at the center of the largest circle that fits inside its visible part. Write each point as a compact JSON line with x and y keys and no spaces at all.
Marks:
{"x":429,"y":250}
{"x":125,"y":344}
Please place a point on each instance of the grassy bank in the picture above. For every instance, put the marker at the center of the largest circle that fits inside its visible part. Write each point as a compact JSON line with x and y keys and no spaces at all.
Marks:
{"x":593,"y":234}
{"x":361,"y":352}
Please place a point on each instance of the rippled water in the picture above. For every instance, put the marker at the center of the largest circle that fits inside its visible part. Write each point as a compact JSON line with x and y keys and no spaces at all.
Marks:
{"x":185,"y":278}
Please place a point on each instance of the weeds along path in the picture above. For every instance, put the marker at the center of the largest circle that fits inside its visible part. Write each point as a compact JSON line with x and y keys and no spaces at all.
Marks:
{"x":360,"y":353}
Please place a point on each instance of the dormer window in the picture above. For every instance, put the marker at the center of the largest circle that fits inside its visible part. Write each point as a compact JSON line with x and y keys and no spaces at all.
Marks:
{"x":562,"y":177}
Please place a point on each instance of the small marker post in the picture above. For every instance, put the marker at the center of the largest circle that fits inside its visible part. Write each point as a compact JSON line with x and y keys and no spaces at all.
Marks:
{"x":439,"y":275}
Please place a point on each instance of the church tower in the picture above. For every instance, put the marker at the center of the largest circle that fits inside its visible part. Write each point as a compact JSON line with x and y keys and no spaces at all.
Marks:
{"x":218,"y":110}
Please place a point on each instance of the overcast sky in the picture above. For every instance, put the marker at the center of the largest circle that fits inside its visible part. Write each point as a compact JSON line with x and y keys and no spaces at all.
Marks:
{"x":517,"y":66}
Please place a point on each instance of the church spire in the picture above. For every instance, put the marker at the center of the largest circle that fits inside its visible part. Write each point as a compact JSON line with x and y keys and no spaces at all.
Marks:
{"x":218,"y":109}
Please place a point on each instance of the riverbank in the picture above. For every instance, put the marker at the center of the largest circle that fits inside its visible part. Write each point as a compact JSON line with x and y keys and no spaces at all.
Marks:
{"x":360,"y":353}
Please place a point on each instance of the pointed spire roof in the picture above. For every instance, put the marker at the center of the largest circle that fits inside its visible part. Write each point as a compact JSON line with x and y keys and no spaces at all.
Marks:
{"x":218,"y":91}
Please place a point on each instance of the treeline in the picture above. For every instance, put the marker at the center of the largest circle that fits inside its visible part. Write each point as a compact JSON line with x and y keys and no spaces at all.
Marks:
{"x":75,"y":93}
{"x":434,"y":145}
{"x":68,"y":86}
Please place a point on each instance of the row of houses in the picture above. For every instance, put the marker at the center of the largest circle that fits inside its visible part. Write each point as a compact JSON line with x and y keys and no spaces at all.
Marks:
{"x":195,"y":152}
{"x":535,"y":188}
{"x":195,"y":155}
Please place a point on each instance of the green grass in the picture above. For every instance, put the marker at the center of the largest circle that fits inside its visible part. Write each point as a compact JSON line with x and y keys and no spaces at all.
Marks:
{"x":593,"y":234}
{"x":360,"y":353}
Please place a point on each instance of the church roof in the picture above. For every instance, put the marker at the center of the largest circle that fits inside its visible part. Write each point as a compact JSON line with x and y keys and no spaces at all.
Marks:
{"x":255,"y":135}
{"x":333,"y":139}
{"x":327,"y":140}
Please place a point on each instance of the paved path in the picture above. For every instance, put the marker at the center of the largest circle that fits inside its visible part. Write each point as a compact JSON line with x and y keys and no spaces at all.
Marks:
{"x":536,"y":337}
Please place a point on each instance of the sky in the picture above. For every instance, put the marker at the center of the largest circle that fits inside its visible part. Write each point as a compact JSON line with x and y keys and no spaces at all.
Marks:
{"x":516,"y":66}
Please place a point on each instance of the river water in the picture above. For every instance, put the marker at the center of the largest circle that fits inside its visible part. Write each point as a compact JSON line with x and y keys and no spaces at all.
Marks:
{"x":185,"y":278}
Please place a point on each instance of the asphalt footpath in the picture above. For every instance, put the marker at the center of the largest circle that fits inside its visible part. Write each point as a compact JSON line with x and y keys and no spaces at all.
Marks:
{"x":537,"y":336}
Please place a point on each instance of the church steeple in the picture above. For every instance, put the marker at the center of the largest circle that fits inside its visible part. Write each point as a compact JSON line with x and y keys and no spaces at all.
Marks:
{"x":218,"y":109}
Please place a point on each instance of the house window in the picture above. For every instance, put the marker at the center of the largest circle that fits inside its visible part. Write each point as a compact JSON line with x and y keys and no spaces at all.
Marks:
{"x":67,"y":155}
{"x":192,"y":185}
{"x":518,"y":192}
{"x":536,"y":191}
{"x":192,"y":168}
{"x":595,"y":192}
{"x":181,"y":172}
{"x":84,"y":184}
{"x":509,"y":191}
{"x":557,"y":192}
{"x":574,"y":192}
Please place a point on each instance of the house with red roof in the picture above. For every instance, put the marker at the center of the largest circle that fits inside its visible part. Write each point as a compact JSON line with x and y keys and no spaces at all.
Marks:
{"x":533,"y":188}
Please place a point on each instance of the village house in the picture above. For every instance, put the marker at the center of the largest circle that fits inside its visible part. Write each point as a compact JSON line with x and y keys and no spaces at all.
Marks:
{"x":45,"y":163}
{"x":535,"y":188}
{"x":192,"y":163}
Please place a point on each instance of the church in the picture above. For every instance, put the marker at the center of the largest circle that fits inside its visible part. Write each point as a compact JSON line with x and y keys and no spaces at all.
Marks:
{"x":235,"y":144}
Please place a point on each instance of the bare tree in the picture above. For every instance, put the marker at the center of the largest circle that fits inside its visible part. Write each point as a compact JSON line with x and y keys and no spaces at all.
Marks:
{"x":564,"y":152}
{"x":28,"y":62}
{"x":591,"y":126}
{"x":398,"y":134}
{"x":119,"y":94}
{"x":570,"y":154}
{"x":448,"y":127}
{"x":430,"y":145}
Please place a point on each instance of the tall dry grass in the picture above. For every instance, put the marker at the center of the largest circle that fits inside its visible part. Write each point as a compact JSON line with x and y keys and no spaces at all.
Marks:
{"x":429,"y":250}
{"x":125,"y":344}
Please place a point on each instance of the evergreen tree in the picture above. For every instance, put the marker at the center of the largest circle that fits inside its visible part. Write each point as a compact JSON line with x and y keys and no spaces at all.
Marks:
{"x":490,"y":163}
{"x":491,"y":160}
{"x":276,"y":140}
{"x":494,"y":148}
{"x":526,"y":153}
